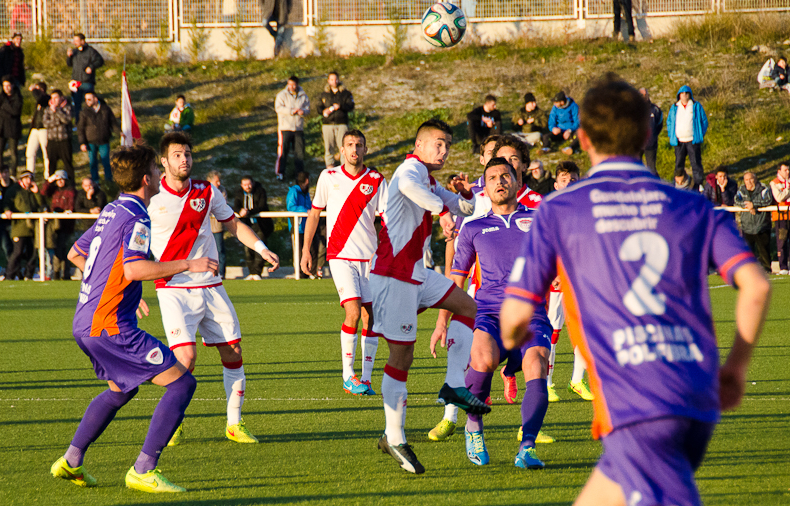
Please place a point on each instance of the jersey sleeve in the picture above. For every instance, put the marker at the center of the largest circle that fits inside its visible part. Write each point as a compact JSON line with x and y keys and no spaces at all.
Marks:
{"x":137,"y":239}
{"x":465,"y":254}
{"x":728,"y":251}
{"x":83,"y":244}
{"x":381,"y":195}
{"x":219,"y":207}
{"x":321,"y":192}
{"x":536,"y":267}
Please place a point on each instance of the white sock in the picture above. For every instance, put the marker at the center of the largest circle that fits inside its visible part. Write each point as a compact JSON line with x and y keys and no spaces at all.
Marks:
{"x":394,"y":393}
{"x":348,"y":347}
{"x":556,"y":312}
{"x":550,"y":374}
{"x":235,"y":383}
{"x":370,"y":344}
{"x":459,"y":347}
{"x":579,"y":366}
{"x":451,"y":412}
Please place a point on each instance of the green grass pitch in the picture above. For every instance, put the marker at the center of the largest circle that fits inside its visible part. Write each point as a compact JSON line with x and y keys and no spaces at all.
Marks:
{"x":318,"y":444}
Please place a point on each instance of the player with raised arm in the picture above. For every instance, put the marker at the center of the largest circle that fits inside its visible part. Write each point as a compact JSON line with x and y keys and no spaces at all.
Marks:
{"x":351,"y":195}
{"x":113,"y":255}
{"x":401,"y":285}
{"x":190,"y":302}
{"x":633,"y":255}
{"x":492,"y":243}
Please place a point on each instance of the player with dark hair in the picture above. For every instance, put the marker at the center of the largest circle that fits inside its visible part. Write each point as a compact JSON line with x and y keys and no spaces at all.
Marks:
{"x":181,"y":229}
{"x":351,"y":195}
{"x":492,"y":242}
{"x":633,"y":254}
{"x":401,"y":285}
{"x":113,"y":255}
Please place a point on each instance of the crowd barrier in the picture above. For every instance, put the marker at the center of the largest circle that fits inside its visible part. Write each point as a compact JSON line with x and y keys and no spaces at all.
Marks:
{"x":297,"y":249}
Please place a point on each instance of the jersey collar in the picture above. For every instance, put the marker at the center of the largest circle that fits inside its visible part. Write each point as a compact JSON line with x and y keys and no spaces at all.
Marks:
{"x":412,"y":155}
{"x":178,"y":194}
{"x":361,"y":172}
{"x":132,"y":198}
{"x":619,"y":163}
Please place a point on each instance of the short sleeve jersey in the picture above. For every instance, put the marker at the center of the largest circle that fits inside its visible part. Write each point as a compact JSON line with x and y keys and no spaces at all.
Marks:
{"x":633,"y":255}
{"x":492,"y":243}
{"x":351,"y":203}
{"x":181,"y":229}
{"x":108,"y":301}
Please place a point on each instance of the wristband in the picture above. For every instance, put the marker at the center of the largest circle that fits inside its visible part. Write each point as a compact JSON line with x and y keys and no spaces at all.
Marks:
{"x":259,"y":247}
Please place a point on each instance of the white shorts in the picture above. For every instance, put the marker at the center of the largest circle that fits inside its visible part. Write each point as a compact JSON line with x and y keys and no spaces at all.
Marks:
{"x":396,"y":303}
{"x":209,"y":310}
{"x":351,"y":280}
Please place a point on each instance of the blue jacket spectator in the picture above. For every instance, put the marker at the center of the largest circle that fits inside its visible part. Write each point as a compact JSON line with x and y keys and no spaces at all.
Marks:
{"x":699,"y":123}
{"x":298,"y":199}
{"x":564,"y":117}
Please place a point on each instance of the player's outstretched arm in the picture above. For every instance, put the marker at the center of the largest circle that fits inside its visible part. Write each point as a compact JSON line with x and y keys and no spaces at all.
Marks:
{"x":310,"y":226}
{"x":754,"y":294}
{"x":514,"y":318}
{"x":145,"y":270}
{"x":247,"y":237}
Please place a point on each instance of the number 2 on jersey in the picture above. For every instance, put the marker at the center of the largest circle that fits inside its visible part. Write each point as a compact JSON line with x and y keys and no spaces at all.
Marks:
{"x":641,"y":299}
{"x":93,"y":252}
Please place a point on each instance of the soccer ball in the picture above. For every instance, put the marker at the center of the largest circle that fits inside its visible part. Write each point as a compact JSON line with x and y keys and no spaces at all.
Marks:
{"x":443,"y":24}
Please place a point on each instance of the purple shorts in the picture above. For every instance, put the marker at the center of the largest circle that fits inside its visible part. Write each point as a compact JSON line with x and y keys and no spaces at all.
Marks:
{"x":654,"y":461}
{"x":128,"y":359}
{"x":489,"y":323}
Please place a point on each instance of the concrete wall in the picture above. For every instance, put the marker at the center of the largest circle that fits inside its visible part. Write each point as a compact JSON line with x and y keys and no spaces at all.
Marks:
{"x":346,"y":40}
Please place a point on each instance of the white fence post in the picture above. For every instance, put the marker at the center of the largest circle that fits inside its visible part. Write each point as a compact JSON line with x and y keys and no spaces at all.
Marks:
{"x":297,"y":249}
{"x":42,"y":251}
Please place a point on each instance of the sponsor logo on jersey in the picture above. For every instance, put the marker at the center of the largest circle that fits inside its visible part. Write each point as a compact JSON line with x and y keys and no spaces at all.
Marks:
{"x":200,"y":186}
{"x":524,"y":224}
{"x":141,"y":238}
{"x":366,"y":189}
{"x":197,"y":204}
{"x":406,"y":328}
{"x":490,"y":229}
{"x":155,"y":356}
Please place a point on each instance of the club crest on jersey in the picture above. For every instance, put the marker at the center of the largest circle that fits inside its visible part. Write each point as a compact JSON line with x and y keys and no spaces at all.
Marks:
{"x":197,"y":204}
{"x":406,"y":328}
{"x":155,"y":356}
{"x":524,"y":224}
{"x":366,"y":189}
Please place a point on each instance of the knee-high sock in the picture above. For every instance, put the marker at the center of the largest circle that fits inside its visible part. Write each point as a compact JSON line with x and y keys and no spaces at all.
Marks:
{"x":348,"y":347}
{"x":555,"y":336}
{"x":579,"y":366}
{"x":370,"y":344}
{"x":513,"y":365}
{"x":479,"y":383}
{"x":97,"y":417}
{"x":451,"y":412}
{"x":393,"y":390}
{"x":235,"y":383}
{"x":167,"y":417}
{"x":459,"y":347}
{"x":533,"y":410}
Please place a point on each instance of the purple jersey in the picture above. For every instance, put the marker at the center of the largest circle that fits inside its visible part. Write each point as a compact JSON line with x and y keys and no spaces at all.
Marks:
{"x":108,"y":300}
{"x":493,"y":242}
{"x":633,"y":255}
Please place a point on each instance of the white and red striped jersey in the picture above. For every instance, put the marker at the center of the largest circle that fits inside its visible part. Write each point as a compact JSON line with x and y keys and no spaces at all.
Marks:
{"x":351,"y":203}
{"x":406,"y":223}
{"x":181,"y":229}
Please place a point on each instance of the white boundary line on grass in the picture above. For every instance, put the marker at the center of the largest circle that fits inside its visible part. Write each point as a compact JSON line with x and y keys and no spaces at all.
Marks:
{"x":308,"y":399}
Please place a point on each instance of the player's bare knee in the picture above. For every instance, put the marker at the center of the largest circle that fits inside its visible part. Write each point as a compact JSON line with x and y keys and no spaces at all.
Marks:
{"x":353,"y":315}
{"x":230,"y":352}
{"x":186,"y":355}
{"x":401,"y":355}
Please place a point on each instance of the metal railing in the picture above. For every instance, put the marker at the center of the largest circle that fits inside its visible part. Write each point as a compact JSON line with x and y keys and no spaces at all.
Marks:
{"x":295,"y":241}
{"x":156,"y":20}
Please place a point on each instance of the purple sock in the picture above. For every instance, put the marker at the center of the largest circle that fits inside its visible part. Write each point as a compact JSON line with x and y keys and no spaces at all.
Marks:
{"x":533,"y":410}
{"x":479,"y":383}
{"x":167,"y":416}
{"x":513,"y":364}
{"x":97,"y":417}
